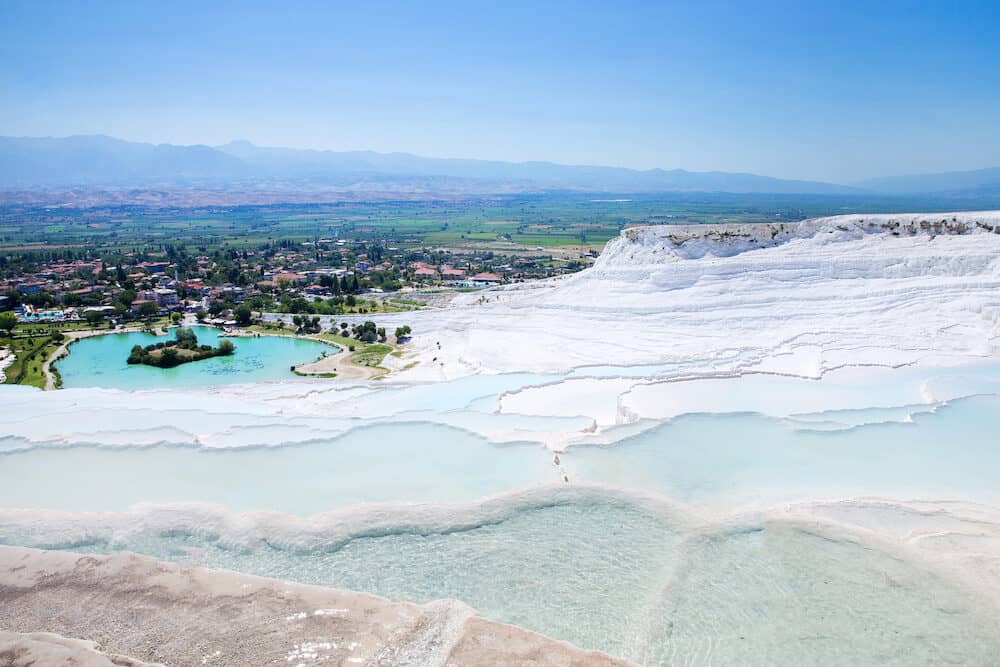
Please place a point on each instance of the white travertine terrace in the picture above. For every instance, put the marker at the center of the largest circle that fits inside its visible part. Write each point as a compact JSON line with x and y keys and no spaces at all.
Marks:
{"x":841,"y":321}
{"x":817,"y":294}
{"x":648,"y":332}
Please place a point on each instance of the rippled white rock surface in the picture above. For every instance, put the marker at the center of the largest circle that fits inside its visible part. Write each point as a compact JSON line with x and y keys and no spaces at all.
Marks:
{"x":726,"y":444}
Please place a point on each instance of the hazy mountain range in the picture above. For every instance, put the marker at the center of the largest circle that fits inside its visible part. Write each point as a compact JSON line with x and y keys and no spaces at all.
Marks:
{"x":102,"y":161}
{"x":987,"y":180}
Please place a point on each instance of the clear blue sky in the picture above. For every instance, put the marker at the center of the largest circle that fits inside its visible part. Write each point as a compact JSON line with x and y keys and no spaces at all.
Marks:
{"x":834,"y":91}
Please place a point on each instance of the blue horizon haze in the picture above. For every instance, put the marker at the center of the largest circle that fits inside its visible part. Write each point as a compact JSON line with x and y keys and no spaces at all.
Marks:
{"x":818,"y":91}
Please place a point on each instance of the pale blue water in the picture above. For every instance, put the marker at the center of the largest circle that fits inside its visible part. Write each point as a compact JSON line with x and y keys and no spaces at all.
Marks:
{"x":748,"y":458}
{"x":100,"y":361}
{"x":399,"y":463}
{"x":635,"y":580}
{"x":610,"y":570}
{"x":731,"y":459}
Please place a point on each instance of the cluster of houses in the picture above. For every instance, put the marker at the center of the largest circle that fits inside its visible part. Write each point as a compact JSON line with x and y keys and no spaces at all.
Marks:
{"x":72,"y":289}
{"x":448,"y":273}
{"x":65,"y":289}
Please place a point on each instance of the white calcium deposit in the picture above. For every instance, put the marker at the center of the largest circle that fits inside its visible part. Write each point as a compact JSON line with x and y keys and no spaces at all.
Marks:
{"x":885,"y":311}
{"x":799,"y":298}
{"x":720,"y":443}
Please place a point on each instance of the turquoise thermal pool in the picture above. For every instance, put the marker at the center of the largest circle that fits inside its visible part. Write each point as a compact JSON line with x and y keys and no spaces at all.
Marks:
{"x":99,"y":361}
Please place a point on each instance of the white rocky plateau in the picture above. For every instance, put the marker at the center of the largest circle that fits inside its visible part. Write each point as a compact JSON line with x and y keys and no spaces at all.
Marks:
{"x":824,"y":326}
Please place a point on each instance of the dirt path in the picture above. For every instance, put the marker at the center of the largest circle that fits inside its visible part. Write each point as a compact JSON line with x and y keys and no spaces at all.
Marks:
{"x":341,"y":364}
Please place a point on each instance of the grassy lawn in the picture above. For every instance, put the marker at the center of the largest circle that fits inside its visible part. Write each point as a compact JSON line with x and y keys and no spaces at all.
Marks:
{"x":41,"y":328}
{"x":32,"y":344}
{"x":30,"y":352}
{"x":371,"y":355}
{"x":45,"y":328}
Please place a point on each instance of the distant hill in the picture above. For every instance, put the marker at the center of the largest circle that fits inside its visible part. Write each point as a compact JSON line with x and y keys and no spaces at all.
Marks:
{"x":959,"y":182}
{"x":97,"y":160}
{"x":105,"y":161}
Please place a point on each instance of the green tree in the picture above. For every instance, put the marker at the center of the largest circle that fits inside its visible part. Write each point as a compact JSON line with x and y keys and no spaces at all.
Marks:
{"x":169,"y":358}
{"x":226,"y":347}
{"x":176,"y":318}
{"x":126,"y":298}
{"x":186,"y":338}
{"x":367,"y":332}
{"x":8,"y":321}
{"x":148,"y":309}
{"x":243,"y":315}
{"x":135,"y":356}
{"x":93,"y":317}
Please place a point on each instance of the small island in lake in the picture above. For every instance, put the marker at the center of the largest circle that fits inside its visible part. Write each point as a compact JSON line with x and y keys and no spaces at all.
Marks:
{"x":183,"y":349}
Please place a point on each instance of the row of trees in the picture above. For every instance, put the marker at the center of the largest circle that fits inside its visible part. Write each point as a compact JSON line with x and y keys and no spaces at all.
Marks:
{"x":342,"y":286}
{"x":337,"y":305}
{"x":305,"y":324}
{"x":366,"y":332}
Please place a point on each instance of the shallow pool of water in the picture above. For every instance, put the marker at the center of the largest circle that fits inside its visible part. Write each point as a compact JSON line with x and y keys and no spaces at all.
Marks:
{"x":398,"y":463}
{"x":635,"y":579}
{"x":737,"y":459}
{"x":624,"y":570}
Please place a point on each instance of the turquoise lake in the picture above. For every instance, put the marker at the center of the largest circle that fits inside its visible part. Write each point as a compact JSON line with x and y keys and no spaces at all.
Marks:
{"x":100,"y":361}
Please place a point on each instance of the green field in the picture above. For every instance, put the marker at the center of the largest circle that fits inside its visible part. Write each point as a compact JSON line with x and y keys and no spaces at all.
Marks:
{"x":30,"y":352}
{"x":547,"y":221}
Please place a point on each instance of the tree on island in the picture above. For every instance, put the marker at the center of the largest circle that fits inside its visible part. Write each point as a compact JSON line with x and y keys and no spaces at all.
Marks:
{"x":182,"y":349}
{"x":403,"y":332}
{"x":8,"y":321}
{"x":169,"y":358}
{"x":186,"y":338}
